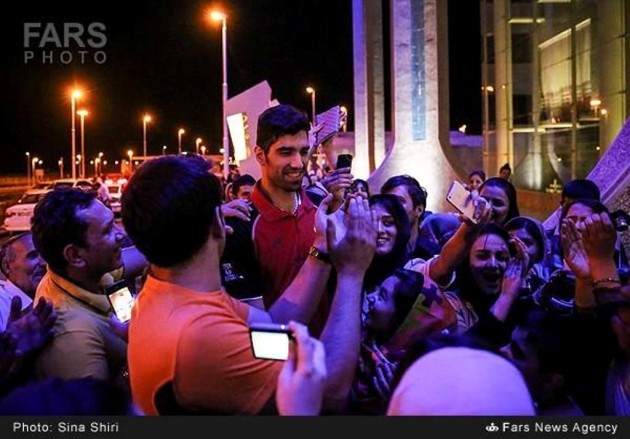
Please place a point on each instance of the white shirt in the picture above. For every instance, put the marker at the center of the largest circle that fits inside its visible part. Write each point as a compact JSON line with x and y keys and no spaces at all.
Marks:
{"x":7,"y":291}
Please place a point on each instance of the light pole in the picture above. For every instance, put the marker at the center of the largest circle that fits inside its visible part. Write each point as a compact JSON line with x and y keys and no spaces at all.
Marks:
{"x":179,"y":139}
{"x":130,"y":154}
{"x":76,"y":94}
{"x":82,"y":114}
{"x":146,"y":119}
{"x":220,"y":16}
{"x":60,"y":163}
{"x":78,"y":161}
{"x":197,"y":142}
{"x":203,"y":150}
{"x":164,"y":150}
{"x":311,"y":91}
{"x":34,"y":166}
{"x":28,"y":168}
{"x":100,"y":164}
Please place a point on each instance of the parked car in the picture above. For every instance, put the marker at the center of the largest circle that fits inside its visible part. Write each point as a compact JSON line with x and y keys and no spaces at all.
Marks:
{"x":42,"y":185}
{"x":18,"y":217}
{"x":115,"y":193}
{"x":65,"y":183}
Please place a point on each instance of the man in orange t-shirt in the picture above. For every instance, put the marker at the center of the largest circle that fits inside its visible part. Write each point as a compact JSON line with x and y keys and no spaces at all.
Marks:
{"x":189,"y":347}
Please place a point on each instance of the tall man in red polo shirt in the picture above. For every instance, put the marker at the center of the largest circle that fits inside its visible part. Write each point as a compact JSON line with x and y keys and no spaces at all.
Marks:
{"x":266,"y":253}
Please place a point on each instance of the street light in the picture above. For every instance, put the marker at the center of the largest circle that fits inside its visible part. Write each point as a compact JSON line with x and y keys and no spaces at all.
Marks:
{"x":34,"y":165}
{"x":82,"y":114}
{"x":179,"y":139}
{"x":197,"y":142}
{"x":146,"y":119}
{"x":100,"y":163}
{"x":77,"y":162}
{"x":130,"y":154}
{"x":76,"y":94}
{"x":203,"y":150}
{"x":60,"y":163}
{"x":164,"y":150}
{"x":28,"y":168}
{"x":311,"y":91}
{"x":220,"y":16}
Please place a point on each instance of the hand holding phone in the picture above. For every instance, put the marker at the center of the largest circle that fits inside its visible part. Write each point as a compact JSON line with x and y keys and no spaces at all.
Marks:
{"x":270,"y":341}
{"x":465,"y":202}
{"x":121,"y":300}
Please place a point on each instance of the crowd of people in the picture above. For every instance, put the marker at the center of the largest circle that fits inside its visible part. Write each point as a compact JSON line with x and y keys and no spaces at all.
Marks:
{"x":392,"y":309}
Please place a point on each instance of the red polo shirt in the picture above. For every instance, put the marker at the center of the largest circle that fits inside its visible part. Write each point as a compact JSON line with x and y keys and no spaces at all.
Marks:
{"x":281,"y":242}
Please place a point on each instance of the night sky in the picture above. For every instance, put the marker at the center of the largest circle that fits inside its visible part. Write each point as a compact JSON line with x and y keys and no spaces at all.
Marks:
{"x":163,"y":57}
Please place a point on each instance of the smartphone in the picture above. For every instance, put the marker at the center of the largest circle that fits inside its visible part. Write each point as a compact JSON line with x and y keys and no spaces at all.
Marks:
{"x":121,"y":300}
{"x":460,"y":198}
{"x":270,"y":341}
{"x":344,"y":161}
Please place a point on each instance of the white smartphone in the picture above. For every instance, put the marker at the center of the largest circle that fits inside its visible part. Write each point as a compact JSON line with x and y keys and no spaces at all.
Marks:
{"x":121,"y":300}
{"x":270,"y":341}
{"x":460,"y":198}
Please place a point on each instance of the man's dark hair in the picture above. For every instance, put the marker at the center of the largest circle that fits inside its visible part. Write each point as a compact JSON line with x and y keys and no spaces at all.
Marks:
{"x":581,"y":188}
{"x":168,"y":207}
{"x":595,"y":205}
{"x":279,"y":121}
{"x":75,"y":397}
{"x":506,"y":167}
{"x":55,"y":224}
{"x":243,"y":180}
{"x":417,"y":193}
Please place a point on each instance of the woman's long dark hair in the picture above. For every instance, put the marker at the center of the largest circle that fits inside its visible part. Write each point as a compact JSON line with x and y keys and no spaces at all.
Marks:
{"x":383,"y":266}
{"x":509,"y":190}
{"x":467,"y":287}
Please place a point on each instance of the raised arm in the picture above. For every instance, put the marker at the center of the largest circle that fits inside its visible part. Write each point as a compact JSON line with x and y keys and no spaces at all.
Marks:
{"x":458,"y":246}
{"x":351,"y":253}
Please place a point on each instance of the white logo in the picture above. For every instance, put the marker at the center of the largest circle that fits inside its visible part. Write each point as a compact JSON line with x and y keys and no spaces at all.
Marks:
{"x":492,"y":428}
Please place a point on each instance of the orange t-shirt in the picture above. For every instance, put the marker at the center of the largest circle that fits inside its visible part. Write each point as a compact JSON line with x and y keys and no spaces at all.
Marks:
{"x":200,"y":342}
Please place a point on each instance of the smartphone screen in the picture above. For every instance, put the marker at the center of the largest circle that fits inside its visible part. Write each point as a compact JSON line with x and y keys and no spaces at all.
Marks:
{"x":122,"y":302}
{"x":459,"y":197}
{"x":344,"y":161}
{"x":270,"y":341}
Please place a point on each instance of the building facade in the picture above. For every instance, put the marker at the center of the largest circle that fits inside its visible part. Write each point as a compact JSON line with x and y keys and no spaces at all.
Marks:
{"x":554,"y":86}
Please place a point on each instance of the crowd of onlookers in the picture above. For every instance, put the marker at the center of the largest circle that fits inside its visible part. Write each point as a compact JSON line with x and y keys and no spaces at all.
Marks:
{"x":392,"y":309}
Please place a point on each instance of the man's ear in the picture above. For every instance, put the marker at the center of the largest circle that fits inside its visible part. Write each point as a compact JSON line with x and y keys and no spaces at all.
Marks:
{"x":218,"y":223}
{"x":5,"y":267}
{"x":74,"y":255}
{"x":260,"y":155}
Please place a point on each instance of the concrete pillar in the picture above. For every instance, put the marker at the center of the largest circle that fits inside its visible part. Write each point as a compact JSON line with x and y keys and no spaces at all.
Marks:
{"x":369,"y":89}
{"x":420,"y":112}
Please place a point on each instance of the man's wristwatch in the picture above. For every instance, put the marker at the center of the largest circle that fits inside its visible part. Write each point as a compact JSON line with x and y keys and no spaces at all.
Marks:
{"x":317,"y":253}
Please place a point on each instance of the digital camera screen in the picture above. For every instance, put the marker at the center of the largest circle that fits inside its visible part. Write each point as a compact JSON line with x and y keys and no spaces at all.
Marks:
{"x":270,"y":345}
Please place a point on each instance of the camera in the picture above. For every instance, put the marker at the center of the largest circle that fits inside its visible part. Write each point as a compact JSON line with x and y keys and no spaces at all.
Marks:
{"x":621,"y":220}
{"x":556,"y":295}
{"x":270,"y":341}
